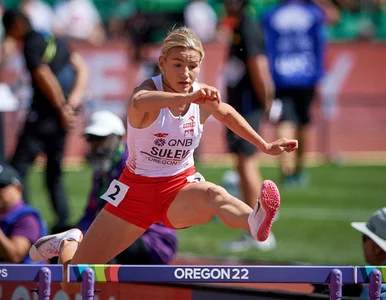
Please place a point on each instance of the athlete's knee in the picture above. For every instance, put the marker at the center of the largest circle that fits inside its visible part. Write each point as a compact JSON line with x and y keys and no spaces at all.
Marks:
{"x":217,"y":194}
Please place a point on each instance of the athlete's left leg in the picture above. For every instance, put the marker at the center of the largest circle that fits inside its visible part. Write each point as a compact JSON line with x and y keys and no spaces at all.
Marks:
{"x":197,"y":203}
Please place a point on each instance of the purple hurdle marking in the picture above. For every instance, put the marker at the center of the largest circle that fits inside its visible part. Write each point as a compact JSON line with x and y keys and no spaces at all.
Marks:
{"x":44,"y":287}
{"x":375,"y":285}
{"x":88,"y":280}
{"x":336,"y":284}
{"x":30,"y":273}
{"x":213,"y":274}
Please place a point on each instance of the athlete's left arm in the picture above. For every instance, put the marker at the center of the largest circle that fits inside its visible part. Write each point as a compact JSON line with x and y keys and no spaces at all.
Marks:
{"x":228,"y":116}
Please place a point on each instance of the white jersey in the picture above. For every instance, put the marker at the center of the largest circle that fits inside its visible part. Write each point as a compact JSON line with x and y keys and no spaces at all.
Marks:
{"x":166,"y":147}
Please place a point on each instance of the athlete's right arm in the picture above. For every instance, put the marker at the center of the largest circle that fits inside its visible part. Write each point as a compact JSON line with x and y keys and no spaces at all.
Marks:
{"x":146,"y":98}
{"x":146,"y":102}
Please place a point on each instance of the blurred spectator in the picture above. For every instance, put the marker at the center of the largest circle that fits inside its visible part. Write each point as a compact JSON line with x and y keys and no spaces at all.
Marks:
{"x":374,"y":244}
{"x":39,"y":13}
{"x":59,"y":79}
{"x":295,"y":45}
{"x":250,"y":91}
{"x":117,"y":27}
{"x":150,"y":25}
{"x":107,"y":157}
{"x":355,"y":21}
{"x":200,"y":17}
{"x":78,"y":19}
{"x":7,"y":46}
{"x":20,"y":224}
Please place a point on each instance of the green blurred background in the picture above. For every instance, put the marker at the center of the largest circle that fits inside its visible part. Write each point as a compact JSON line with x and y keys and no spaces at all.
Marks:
{"x":352,"y":23}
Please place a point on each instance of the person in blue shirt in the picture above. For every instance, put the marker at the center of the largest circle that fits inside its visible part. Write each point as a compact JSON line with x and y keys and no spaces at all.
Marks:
{"x":295,"y":45}
{"x":374,"y":244}
{"x":20,"y":224}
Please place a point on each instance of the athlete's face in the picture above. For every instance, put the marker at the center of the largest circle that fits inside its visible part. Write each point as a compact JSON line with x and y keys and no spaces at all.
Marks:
{"x":180,"y":68}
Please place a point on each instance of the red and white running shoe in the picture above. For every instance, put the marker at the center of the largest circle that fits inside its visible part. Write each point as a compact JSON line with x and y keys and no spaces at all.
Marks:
{"x":48,"y":246}
{"x":261,"y":219}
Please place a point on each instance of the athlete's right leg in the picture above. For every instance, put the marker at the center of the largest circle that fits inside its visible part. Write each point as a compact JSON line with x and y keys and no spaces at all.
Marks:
{"x":108,"y":236}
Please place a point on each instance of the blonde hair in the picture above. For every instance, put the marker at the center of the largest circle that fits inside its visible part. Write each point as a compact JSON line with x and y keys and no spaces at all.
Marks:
{"x":182,"y":37}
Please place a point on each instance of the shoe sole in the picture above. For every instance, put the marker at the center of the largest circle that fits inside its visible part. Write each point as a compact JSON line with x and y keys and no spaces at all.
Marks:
{"x":34,"y":253}
{"x":270,"y":202}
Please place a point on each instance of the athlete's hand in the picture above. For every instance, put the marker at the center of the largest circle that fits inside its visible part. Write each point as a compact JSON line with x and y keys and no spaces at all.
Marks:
{"x":281,"y":145}
{"x":204,"y":94}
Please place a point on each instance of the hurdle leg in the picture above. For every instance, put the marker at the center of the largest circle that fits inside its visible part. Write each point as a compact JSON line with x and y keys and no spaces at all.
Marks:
{"x":375,"y":285}
{"x":336,"y":284}
{"x":88,"y":281}
{"x":44,"y":288}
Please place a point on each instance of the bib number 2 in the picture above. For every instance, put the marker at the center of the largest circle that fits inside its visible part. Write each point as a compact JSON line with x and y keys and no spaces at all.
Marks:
{"x":115,"y":193}
{"x":195,"y":178}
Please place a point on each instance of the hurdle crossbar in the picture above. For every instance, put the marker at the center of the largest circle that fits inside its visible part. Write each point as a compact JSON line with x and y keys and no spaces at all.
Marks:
{"x":335,"y":276}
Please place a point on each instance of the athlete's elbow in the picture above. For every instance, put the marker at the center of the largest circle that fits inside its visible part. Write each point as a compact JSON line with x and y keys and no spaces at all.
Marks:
{"x":135,"y":102}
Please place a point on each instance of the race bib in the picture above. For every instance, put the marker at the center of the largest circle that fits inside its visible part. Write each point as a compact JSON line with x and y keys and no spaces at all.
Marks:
{"x":115,"y":193}
{"x":197,"y":177}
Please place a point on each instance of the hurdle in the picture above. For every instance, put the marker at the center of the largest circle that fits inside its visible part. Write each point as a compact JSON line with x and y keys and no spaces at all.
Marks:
{"x":334,"y":276}
{"x":43,"y":274}
{"x":88,"y":275}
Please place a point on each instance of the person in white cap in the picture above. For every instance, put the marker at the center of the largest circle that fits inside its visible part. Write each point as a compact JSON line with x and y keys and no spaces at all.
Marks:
{"x":374,"y":243}
{"x":104,"y":134}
